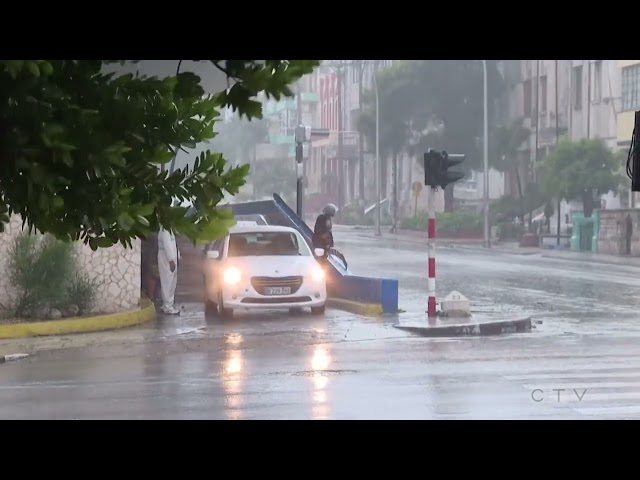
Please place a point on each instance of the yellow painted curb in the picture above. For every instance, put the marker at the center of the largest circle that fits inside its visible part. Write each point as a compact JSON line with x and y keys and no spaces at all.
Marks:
{"x":145,"y":313}
{"x":365,"y":309}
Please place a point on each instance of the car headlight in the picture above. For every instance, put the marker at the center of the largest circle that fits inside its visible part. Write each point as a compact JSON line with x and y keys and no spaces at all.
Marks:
{"x":317,"y":275}
{"x":232,"y":276}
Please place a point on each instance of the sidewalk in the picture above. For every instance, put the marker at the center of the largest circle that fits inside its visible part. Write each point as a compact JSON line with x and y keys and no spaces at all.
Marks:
{"x":514,"y":249}
{"x":511,"y":248}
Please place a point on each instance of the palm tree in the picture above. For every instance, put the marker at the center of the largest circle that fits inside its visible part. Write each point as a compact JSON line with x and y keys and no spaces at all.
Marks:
{"x":505,"y":144}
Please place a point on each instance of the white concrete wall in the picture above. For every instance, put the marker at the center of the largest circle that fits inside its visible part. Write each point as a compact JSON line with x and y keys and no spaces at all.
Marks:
{"x":118,"y":269}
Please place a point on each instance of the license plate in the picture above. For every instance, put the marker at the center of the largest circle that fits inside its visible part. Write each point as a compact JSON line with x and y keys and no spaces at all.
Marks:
{"x":277,"y":291}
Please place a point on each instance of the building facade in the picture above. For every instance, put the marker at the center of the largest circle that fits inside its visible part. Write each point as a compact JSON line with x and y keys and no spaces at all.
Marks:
{"x":562,"y":98}
{"x":628,"y":104}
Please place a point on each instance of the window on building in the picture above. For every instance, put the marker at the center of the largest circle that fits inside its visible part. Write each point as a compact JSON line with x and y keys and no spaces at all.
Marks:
{"x":526,"y":105}
{"x":576,"y":87}
{"x":543,"y":93}
{"x":631,"y":88}
{"x":597,"y":81}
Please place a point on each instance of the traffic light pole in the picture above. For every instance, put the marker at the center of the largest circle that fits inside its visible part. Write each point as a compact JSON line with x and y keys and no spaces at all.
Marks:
{"x":436,"y":174}
{"x":431,"y":249}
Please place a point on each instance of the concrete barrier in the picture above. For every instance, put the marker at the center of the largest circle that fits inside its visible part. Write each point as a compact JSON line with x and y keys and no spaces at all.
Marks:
{"x":378,"y":295}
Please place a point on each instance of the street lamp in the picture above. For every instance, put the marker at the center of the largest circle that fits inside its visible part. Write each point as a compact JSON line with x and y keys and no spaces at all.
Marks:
{"x":377,"y":176}
{"x":487,"y":230}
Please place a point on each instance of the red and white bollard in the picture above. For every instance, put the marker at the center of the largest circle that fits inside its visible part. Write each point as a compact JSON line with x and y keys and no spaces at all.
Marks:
{"x":431,"y":249}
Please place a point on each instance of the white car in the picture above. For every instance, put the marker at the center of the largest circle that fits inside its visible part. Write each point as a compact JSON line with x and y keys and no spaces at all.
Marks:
{"x":262,"y":267}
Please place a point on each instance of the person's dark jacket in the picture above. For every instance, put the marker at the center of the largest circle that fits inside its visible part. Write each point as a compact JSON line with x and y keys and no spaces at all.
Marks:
{"x":322,"y":236}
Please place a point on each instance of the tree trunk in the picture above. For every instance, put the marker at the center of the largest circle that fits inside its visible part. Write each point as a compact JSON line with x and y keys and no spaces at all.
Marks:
{"x":520,"y":194}
{"x":448,"y":199}
{"x":384,"y":171}
{"x":587,"y":203}
{"x":361,"y":193}
{"x":352,"y":180}
{"x":394,"y":190}
{"x":401,"y":197}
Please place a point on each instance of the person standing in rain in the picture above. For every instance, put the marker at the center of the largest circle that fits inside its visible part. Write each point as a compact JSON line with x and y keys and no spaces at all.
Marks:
{"x":149,"y":267}
{"x":168,"y":269}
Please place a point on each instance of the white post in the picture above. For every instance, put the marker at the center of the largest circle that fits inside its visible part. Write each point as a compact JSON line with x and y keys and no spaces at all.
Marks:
{"x":377,"y":176}
{"x":487,"y":229}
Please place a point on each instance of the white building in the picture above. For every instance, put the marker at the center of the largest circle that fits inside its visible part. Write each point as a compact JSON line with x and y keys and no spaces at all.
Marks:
{"x":557,"y":98}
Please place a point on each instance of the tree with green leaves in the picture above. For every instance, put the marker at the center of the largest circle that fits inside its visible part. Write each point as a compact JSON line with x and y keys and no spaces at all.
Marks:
{"x":274,"y":175}
{"x":443,"y":93}
{"x":580,"y":170}
{"x":80,"y":147}
{"x":503,"y":154}
{"x":394,"y":102}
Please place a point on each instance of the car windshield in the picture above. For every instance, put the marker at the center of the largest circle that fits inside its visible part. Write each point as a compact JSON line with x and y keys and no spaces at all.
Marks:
{"x":249,"y":244}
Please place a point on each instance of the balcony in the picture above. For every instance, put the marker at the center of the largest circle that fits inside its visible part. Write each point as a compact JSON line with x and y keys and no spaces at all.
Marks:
{"x":310,"y":97}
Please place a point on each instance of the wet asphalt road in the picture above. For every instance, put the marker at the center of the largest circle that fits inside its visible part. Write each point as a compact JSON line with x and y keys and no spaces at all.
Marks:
{"x":582,"y":362}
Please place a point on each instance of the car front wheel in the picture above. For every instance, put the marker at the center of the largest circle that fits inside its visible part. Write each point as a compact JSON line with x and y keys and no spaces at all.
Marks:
{"x":210,"y":309}
{"x":318,"y":310}
{"x":224,"y":312}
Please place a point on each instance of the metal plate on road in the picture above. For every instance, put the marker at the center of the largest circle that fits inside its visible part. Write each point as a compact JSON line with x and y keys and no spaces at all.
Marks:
{"x":277,"y":291}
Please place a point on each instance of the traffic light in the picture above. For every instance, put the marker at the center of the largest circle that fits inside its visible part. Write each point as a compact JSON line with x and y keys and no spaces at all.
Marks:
{"x":436,"y":168}
{"x":431,"y":168}
{"x":447,"y":161}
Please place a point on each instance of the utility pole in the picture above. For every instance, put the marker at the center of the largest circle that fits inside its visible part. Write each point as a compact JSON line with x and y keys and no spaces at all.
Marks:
{"x":341,"y":162}
{"x":299,"y":152}
{"x":588,"y":99}
{"x":487,"y":228}
{"x":378,"y":170}
{"x":361,"y":194}
{"x":557,"y":141}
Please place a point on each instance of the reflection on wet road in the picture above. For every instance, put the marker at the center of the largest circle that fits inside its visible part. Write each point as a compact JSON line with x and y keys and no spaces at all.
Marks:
{"x":581,"y":362}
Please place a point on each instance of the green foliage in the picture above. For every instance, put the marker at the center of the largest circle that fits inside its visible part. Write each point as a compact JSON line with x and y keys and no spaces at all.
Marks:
{"x":82,"y":292}
{"x":238,"y":138}
{"x":432,"y":104}
{"x":446,"y":223}
{"x":505,"y":209}
{"x":575,"y":168}
{"x":39,"y":267}
{"x":81,"y":148}
{"x":510,"y":231}
{"x":274,"y":176}
{"x":504,"y":143}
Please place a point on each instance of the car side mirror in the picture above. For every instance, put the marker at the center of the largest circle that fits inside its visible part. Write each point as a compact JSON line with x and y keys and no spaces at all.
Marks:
{"x":213,"y":255}
{"x":319,"y":252}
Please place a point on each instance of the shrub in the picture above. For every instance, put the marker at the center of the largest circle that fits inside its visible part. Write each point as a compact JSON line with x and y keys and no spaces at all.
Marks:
{"x":45,"y":274}
{"x":510,"y":231}
{"x":82,"y":292}
{"x":40,"y":268}
{"x":446,"y":223}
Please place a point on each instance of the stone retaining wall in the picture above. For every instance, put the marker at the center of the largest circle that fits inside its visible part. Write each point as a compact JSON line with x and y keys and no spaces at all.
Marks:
{"x":117,"y":268}
{"x":612,"y":235}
